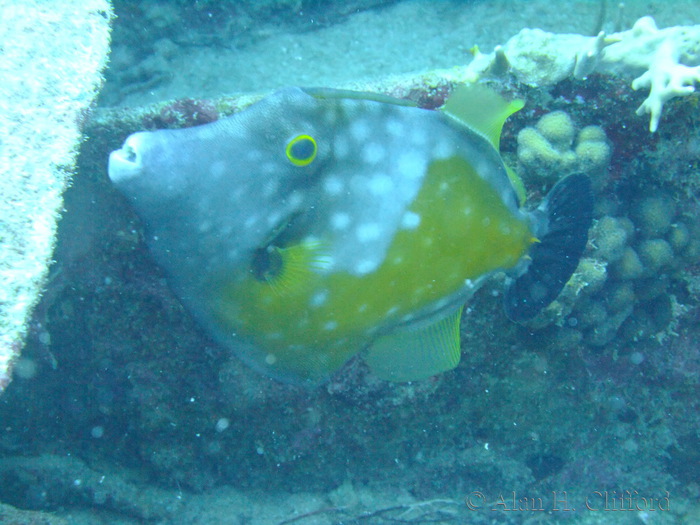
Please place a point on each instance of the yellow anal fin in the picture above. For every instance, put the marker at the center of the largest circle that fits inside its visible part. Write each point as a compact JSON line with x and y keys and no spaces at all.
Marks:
{"x":482,"y":110}
{"x":417,"y":353}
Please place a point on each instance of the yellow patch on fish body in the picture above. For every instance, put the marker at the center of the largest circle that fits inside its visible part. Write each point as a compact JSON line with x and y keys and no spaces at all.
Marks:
{"x":463,"y":231}
{"x":343,"y":222}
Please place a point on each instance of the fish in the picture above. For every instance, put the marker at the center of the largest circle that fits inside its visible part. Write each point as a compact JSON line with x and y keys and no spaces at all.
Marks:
{"x":321,"y":224}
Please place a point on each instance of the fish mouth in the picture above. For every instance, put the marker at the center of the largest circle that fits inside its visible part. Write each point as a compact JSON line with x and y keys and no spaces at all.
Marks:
{"x":125,"y":163}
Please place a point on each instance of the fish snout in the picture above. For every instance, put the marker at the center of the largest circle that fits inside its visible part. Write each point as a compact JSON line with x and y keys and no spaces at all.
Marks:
{"x":125,"y":163}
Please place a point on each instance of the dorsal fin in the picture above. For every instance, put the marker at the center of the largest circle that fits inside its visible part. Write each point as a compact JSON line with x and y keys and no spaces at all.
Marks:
{"x":330,"y":93}
{"x":481,"y":109}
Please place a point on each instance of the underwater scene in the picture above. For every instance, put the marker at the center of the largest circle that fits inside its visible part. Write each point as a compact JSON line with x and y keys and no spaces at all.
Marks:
{"x":339,"y":263}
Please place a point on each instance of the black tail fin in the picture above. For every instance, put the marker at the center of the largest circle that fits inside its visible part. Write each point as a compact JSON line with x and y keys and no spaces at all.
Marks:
{"x":568,"y":211}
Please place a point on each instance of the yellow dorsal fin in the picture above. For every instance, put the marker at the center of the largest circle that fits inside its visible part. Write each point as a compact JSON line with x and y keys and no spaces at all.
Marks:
{"x":417,"y":353}
{"x":481,"y":109}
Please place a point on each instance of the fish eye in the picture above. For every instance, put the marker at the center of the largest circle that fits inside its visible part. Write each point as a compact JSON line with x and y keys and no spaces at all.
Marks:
{"x":301,"y":150}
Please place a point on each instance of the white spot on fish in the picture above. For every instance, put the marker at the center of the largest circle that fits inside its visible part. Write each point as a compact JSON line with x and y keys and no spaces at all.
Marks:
{"x":319,"y":298}
{"x":330,"y":325}
{"x":467,"y":210}
{"x":373,"y":153}
{"x":362,"y":308}
{"x":340,"y":221}
{"x":418,"y":137}
{"x":443,"y":149}
{"x":364,"y":267}
{"x":391,"y":311}
{"x":333,"y":186}
{"x":274,"y":218}
{"x":294,"y":200}
{"x":397,"y":260}
{"x":204,"y":226}
{"x":486,"y":221}
{"x":269,"y":168}
{"x":322,"y":263}
{"x":360,"y":130}
{"x":380,"y":184}
{"x":270,"y":359}
{"x":250,"y":221}
{"x":368,"y":232}
{"x":395,"y":127}
{"x":411,"y":164}
{"x":410,"y":220}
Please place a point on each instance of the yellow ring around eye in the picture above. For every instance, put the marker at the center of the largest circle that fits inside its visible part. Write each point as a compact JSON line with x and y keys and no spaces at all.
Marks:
{"x":301,"y":150}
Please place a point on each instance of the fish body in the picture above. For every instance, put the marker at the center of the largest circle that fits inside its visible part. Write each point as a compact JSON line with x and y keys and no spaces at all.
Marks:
{"x":317,"y":224}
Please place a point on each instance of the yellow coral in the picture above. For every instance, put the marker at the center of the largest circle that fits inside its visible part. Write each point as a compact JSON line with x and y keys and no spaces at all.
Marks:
{"x":592,"y":156}
{"x":558,"y":129}
{"x":545,"y":149}
{"x":591,"y":134}
{"x":533,"y":148}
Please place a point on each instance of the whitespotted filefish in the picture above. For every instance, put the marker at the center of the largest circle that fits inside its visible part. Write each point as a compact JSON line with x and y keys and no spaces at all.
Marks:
{"x":318,"y":224}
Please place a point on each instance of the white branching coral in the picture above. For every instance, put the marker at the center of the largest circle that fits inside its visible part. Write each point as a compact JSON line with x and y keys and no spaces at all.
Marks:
{"x":666,"y":79}
{"x":590,"y":54}
{"x":666,"y":61}
{"x":667,"y":76}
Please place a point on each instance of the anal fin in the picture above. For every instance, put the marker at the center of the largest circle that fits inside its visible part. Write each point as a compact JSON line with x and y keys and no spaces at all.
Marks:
{"x":413,"y":353}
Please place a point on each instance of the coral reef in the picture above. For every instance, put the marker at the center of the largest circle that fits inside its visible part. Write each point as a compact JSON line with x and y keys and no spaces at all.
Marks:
{"x":634,"y":260}
{"x":667,"y":61}
{"x":668,"y":73}
{"x":553,"y":149}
